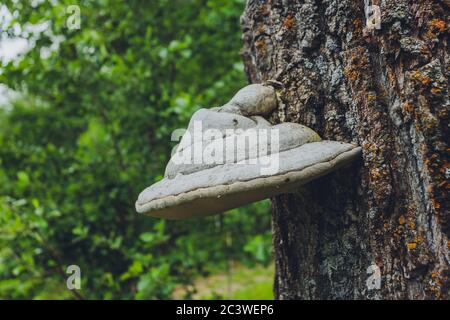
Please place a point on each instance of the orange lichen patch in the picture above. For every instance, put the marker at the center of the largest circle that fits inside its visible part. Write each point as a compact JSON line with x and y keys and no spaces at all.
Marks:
{"x":350,"y":74}
{"x":377,"y":173}
{"x":417,"y":239}
{"x":357,"y":27}
{"x":407,"y":108}
{"x":261,"y":46}
{"x":425,"y":80}
{"x":434,"y":275}
{"x":411,"y":245}
{"x":289,"y":22}
{"x":369,"y":147}
{"x":357,"y":23}
{"x":416,"y":125}
{"x":438,"y":25}
{"x":436,"y":204}
{"x":357,"y":65}
{"x":411,"y":225}
{"x":402,"y":220}
{"x":260,"y":43}
{"x":261,"y":29}
{"x":435,"y":90}
{"x":437,"y":167}
{"x":435,"y":27}
{"x":448,"y":243}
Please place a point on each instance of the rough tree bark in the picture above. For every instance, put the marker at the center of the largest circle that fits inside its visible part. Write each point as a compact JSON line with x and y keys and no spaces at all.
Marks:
{"x":387,"y":91}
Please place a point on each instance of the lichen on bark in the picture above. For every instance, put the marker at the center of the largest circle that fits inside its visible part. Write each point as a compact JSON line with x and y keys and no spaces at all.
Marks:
{"x":386,"y":90}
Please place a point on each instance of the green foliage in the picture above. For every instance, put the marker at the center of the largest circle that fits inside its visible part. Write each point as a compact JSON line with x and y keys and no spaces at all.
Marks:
{"x":242,"y":283}
{"x":91,"y":129}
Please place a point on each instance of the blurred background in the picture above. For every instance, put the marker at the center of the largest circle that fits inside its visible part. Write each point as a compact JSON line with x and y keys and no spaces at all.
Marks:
{"x":86,"y":114}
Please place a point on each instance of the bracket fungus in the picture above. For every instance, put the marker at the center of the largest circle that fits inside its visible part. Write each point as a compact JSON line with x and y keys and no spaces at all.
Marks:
{"x":231,"y":156}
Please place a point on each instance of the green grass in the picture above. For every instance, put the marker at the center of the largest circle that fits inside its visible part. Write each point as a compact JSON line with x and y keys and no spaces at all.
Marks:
{"x":240,"y":283}
{"x":256,"y":291}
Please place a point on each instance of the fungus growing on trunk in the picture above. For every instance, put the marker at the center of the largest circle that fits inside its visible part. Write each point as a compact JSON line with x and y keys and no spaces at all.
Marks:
{"x":231,"y":156}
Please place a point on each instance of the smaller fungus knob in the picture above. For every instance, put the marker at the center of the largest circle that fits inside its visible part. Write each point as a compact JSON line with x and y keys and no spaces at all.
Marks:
{"x":252,"y":100}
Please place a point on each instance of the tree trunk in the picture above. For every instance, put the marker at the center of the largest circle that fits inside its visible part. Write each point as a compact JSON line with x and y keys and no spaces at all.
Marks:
{"x":387,"y":91}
